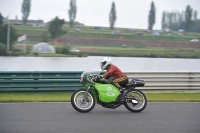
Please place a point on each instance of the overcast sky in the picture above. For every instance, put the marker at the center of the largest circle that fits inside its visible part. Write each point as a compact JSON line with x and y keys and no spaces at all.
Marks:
{"x":130,"y":13}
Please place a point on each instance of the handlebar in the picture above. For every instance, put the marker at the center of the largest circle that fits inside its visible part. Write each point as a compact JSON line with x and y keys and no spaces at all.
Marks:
{"x":95,"y":78}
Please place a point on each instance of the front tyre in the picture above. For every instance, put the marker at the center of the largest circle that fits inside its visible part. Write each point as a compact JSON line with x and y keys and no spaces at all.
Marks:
{"x":135,"y":101}
{"x":80,"y":103}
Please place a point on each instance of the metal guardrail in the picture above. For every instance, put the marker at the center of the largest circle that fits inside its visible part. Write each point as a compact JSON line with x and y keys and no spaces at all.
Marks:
{"x":69,"y":80}
{"x":39,"y":80}
{"x":168,"y":80}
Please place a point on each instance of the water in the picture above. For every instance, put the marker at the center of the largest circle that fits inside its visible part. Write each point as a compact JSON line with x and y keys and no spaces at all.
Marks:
{"x":126,"y":64}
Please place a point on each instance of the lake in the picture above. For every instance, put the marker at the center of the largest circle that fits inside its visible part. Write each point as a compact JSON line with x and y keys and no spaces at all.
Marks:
{"x":126,"y":64}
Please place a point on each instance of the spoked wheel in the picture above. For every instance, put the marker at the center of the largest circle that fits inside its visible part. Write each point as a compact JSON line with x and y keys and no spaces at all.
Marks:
{"x":80,"y":103}
{"x":135,"y":101}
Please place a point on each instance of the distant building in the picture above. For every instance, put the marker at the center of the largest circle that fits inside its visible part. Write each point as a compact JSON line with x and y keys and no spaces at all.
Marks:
{"x":181,"y":31}
{"x":30,"y":22}
{"x":99,"y":28}
{"x":167,"y":30}
{"x":75,"y":23}
{"x":117,"y":32}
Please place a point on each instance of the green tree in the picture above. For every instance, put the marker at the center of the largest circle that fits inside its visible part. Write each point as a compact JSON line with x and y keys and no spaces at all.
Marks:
{"x":188,"y":18}
{"x":1,"y":19}
{"x":163,"y":21}
{"x":26,"y":7}
{"x":63,"y":49}
{"x":195,"y":15}
{"x":45,"y":36}
{"x":3,"y":34}
{"x":170,"y":20}
{"x":195,"y":26}
{"x":72,"y":12}
{"x":112,"y":16}
{"x":3,"y":50}
{"x":55,"y":27}
{"x":152,"y":16}
{"x":1,"y":29}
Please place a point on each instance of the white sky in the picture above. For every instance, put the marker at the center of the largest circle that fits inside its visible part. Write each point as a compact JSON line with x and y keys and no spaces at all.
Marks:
{"x":130,"y":13}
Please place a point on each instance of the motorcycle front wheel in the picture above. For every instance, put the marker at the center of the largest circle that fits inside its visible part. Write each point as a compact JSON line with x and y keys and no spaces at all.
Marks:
{"x":135,"y":101}
{"x":80,"y":103}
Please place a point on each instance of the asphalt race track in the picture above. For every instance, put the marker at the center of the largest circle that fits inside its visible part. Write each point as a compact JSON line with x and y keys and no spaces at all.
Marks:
{"x":62,"y":118}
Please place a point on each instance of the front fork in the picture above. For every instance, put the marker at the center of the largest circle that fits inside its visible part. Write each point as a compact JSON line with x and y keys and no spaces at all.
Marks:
{"x":85,"y":96}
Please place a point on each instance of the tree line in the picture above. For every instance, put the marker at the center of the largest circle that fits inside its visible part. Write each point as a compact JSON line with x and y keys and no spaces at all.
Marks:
{"x":174,"y":20}
{"x":186,"y":20}
{"x":26,"y":8}
{"x":3,"y":35}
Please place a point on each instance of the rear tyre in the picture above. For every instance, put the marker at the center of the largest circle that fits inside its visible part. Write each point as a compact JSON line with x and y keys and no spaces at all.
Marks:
{"x":80,"y":104}
{"x":135,"y":101}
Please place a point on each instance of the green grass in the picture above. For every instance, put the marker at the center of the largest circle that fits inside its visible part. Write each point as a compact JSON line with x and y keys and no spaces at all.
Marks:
{"x":71,"y":54}
{"x":89,"y":33}
{"x":65,"y":97}
{"x":119,"y":51}
{"x":95,"y":35}
{"x":173,"y":97}
{"x":35,"y":97}
{"x":144,"y":52}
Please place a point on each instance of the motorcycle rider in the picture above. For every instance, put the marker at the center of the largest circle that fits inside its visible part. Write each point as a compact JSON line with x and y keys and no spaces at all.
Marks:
{"x":113,"y":71}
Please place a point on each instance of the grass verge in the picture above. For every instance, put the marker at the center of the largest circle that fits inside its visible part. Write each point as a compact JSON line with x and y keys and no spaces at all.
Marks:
{"x":142,"y":52}
{"x":91,"y":33}
{"x":173,"y":97}
{"x":65,"y":97}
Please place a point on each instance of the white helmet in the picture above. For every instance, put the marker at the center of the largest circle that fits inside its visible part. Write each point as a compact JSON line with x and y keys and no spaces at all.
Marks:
{"x":105,"y":62}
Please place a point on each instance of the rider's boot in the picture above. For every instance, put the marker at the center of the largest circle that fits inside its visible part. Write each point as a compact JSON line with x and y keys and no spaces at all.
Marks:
{"x":123,"y":93}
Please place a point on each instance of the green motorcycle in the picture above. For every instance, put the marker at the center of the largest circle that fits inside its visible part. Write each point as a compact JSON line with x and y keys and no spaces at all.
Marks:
{"x":107,"y":95}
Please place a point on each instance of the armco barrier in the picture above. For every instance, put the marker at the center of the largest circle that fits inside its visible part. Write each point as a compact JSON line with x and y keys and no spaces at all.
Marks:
{"x":39,"y":80}
{"x":168,"y":80}
{"x":69,"y":80}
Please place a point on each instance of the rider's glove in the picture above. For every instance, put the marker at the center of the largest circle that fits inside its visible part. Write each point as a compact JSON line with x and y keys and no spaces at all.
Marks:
{"x":99,"y":78}
{"x":102,"y":79}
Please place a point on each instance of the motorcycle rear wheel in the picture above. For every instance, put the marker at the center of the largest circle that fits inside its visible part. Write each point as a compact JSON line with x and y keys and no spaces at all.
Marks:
{"x":80,"y":104}
{"x":136,"y":101}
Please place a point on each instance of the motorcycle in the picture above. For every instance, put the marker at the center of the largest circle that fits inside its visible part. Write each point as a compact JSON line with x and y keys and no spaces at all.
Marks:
{"x":107,"y":95}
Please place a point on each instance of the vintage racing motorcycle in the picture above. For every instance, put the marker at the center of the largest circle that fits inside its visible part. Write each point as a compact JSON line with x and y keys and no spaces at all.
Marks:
{"x":106,"y":94}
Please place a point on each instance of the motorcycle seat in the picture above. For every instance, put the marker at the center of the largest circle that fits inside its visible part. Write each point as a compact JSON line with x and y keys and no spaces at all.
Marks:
{"x":136,"y":83}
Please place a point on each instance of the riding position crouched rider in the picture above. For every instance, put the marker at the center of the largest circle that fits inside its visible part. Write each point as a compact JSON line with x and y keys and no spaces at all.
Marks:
{"x":113,"y":71}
